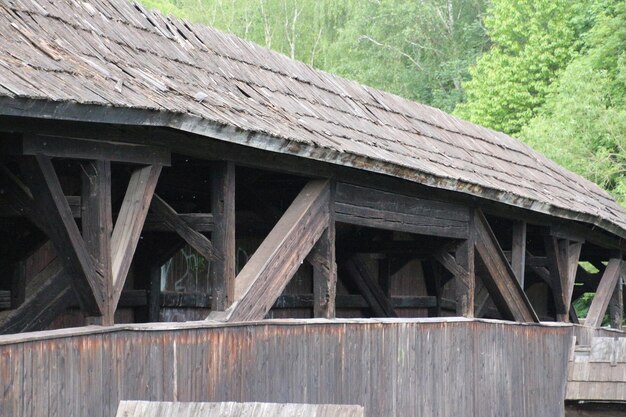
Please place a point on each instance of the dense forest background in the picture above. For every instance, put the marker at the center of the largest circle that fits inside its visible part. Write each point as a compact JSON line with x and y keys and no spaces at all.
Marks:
{"x":551,"y":72}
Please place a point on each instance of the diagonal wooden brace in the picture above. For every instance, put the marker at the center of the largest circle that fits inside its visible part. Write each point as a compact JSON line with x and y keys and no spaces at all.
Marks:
{"x":63,"y":232}
{"x":277,"y":259}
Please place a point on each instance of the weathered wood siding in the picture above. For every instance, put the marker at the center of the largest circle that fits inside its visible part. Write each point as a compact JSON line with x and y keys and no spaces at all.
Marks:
{"x":232,"y":409}
{"x":416,"y":367}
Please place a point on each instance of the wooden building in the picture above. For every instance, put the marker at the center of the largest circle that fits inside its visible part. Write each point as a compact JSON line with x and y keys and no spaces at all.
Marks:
{"x":334,"y":244}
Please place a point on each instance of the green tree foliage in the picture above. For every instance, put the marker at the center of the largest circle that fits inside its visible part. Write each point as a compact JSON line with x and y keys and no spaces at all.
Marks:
{"x":300,"y":29}
{"x":582,"y":126}
{"x":532,"y":42}
{"x":418,"y":49}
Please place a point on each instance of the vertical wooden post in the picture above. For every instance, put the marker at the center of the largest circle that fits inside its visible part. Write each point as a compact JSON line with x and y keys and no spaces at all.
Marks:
{"x":97,"y":227}
{"x":616,"y":305}
{"x":223,"y":236}
{"x":384,"y":276}
{"x":154,"y":295}
{"x":518,"y":253}
{"x":433,"y":278}
{"x":466,"y":282}
{"x":322,"y":257}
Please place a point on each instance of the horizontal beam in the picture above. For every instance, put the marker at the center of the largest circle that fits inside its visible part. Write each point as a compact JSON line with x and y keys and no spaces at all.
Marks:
{"x":383,"y":210}
{"x":353,"y":301}
{"x":74,"y":148}
{"x":175,"y":299}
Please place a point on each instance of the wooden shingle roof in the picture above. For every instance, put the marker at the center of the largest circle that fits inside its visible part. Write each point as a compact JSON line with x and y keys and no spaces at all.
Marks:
{"x":113,"y":54}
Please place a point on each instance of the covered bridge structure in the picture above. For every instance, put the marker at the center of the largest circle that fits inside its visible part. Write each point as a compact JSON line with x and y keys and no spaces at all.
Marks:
{"x":334,"y":244}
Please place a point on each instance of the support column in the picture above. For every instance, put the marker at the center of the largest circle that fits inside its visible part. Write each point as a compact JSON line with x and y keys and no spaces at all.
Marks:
{"x":616,"y":305}
{"x":223,"y":236}
{"x":466,"y":281}
{"x":518,"y":253}
{"x":97,"y":226}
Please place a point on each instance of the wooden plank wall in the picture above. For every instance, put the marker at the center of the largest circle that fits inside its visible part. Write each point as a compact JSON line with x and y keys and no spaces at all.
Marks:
{"x":417,"y":367}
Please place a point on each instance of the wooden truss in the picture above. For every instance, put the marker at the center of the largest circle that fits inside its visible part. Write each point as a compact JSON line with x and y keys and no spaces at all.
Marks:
{"x":94,"y":259}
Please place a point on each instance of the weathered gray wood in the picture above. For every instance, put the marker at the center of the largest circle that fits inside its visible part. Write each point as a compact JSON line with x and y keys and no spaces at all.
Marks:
{"x":433,"y":280}
{"x":66,"y":147}
{"x":154,"y":296}
{"x":48,"y":295}
{"x":562,"y":256}
{"x":365,"y":280}
{"x":605,"y":291}
{"x":170,"y":218}
{"x":379,"y":209}
{"x":232,"y":409}
{"x":616,"y":305}
{"x":322,"y":258}
{"x":278,"y":258}
{"x":518,"y":251}
{"x":223,"y":209}
{"x":466,"y":281}
{"x":130,"y":222}
{"x":200,"y":222}
{"x":63,"y":231}
{"x":97,"y":226}
{"x":500,"y":280}
{"x":378,"y":132}
{"x":20,"y":198}
{"x":373,"y":362}
{"x":353,"y":301}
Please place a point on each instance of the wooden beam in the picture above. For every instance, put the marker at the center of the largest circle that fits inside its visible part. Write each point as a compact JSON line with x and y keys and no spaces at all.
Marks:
{"x":562,"y":258}
{"x":130,"y":222}
{"x":616,"y":305}
{"x":200,"y":222}
{"x":223,"y":209}
{"x":97,"y":226}
{"x":48,"y":294}
{"x":368,"y":287}
{"x":277,"y":259}
{"x":383,"y":210}
{"x":518,"y":252}
{"x":352,"y":301}
{"x":171,"y":219}
{"x":72,"y":148}
{"x":433,"y":280}
{"x":63,"y":231}
{"x":605,"y":291}
{"x":322,"y":258}
{"x":482,"y":300}
{"x":466,"y":281}
{"x":500,"y":280}
{"x":20,"y":197}
{"x":154,"y":301}
{"x":384,"y":275}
